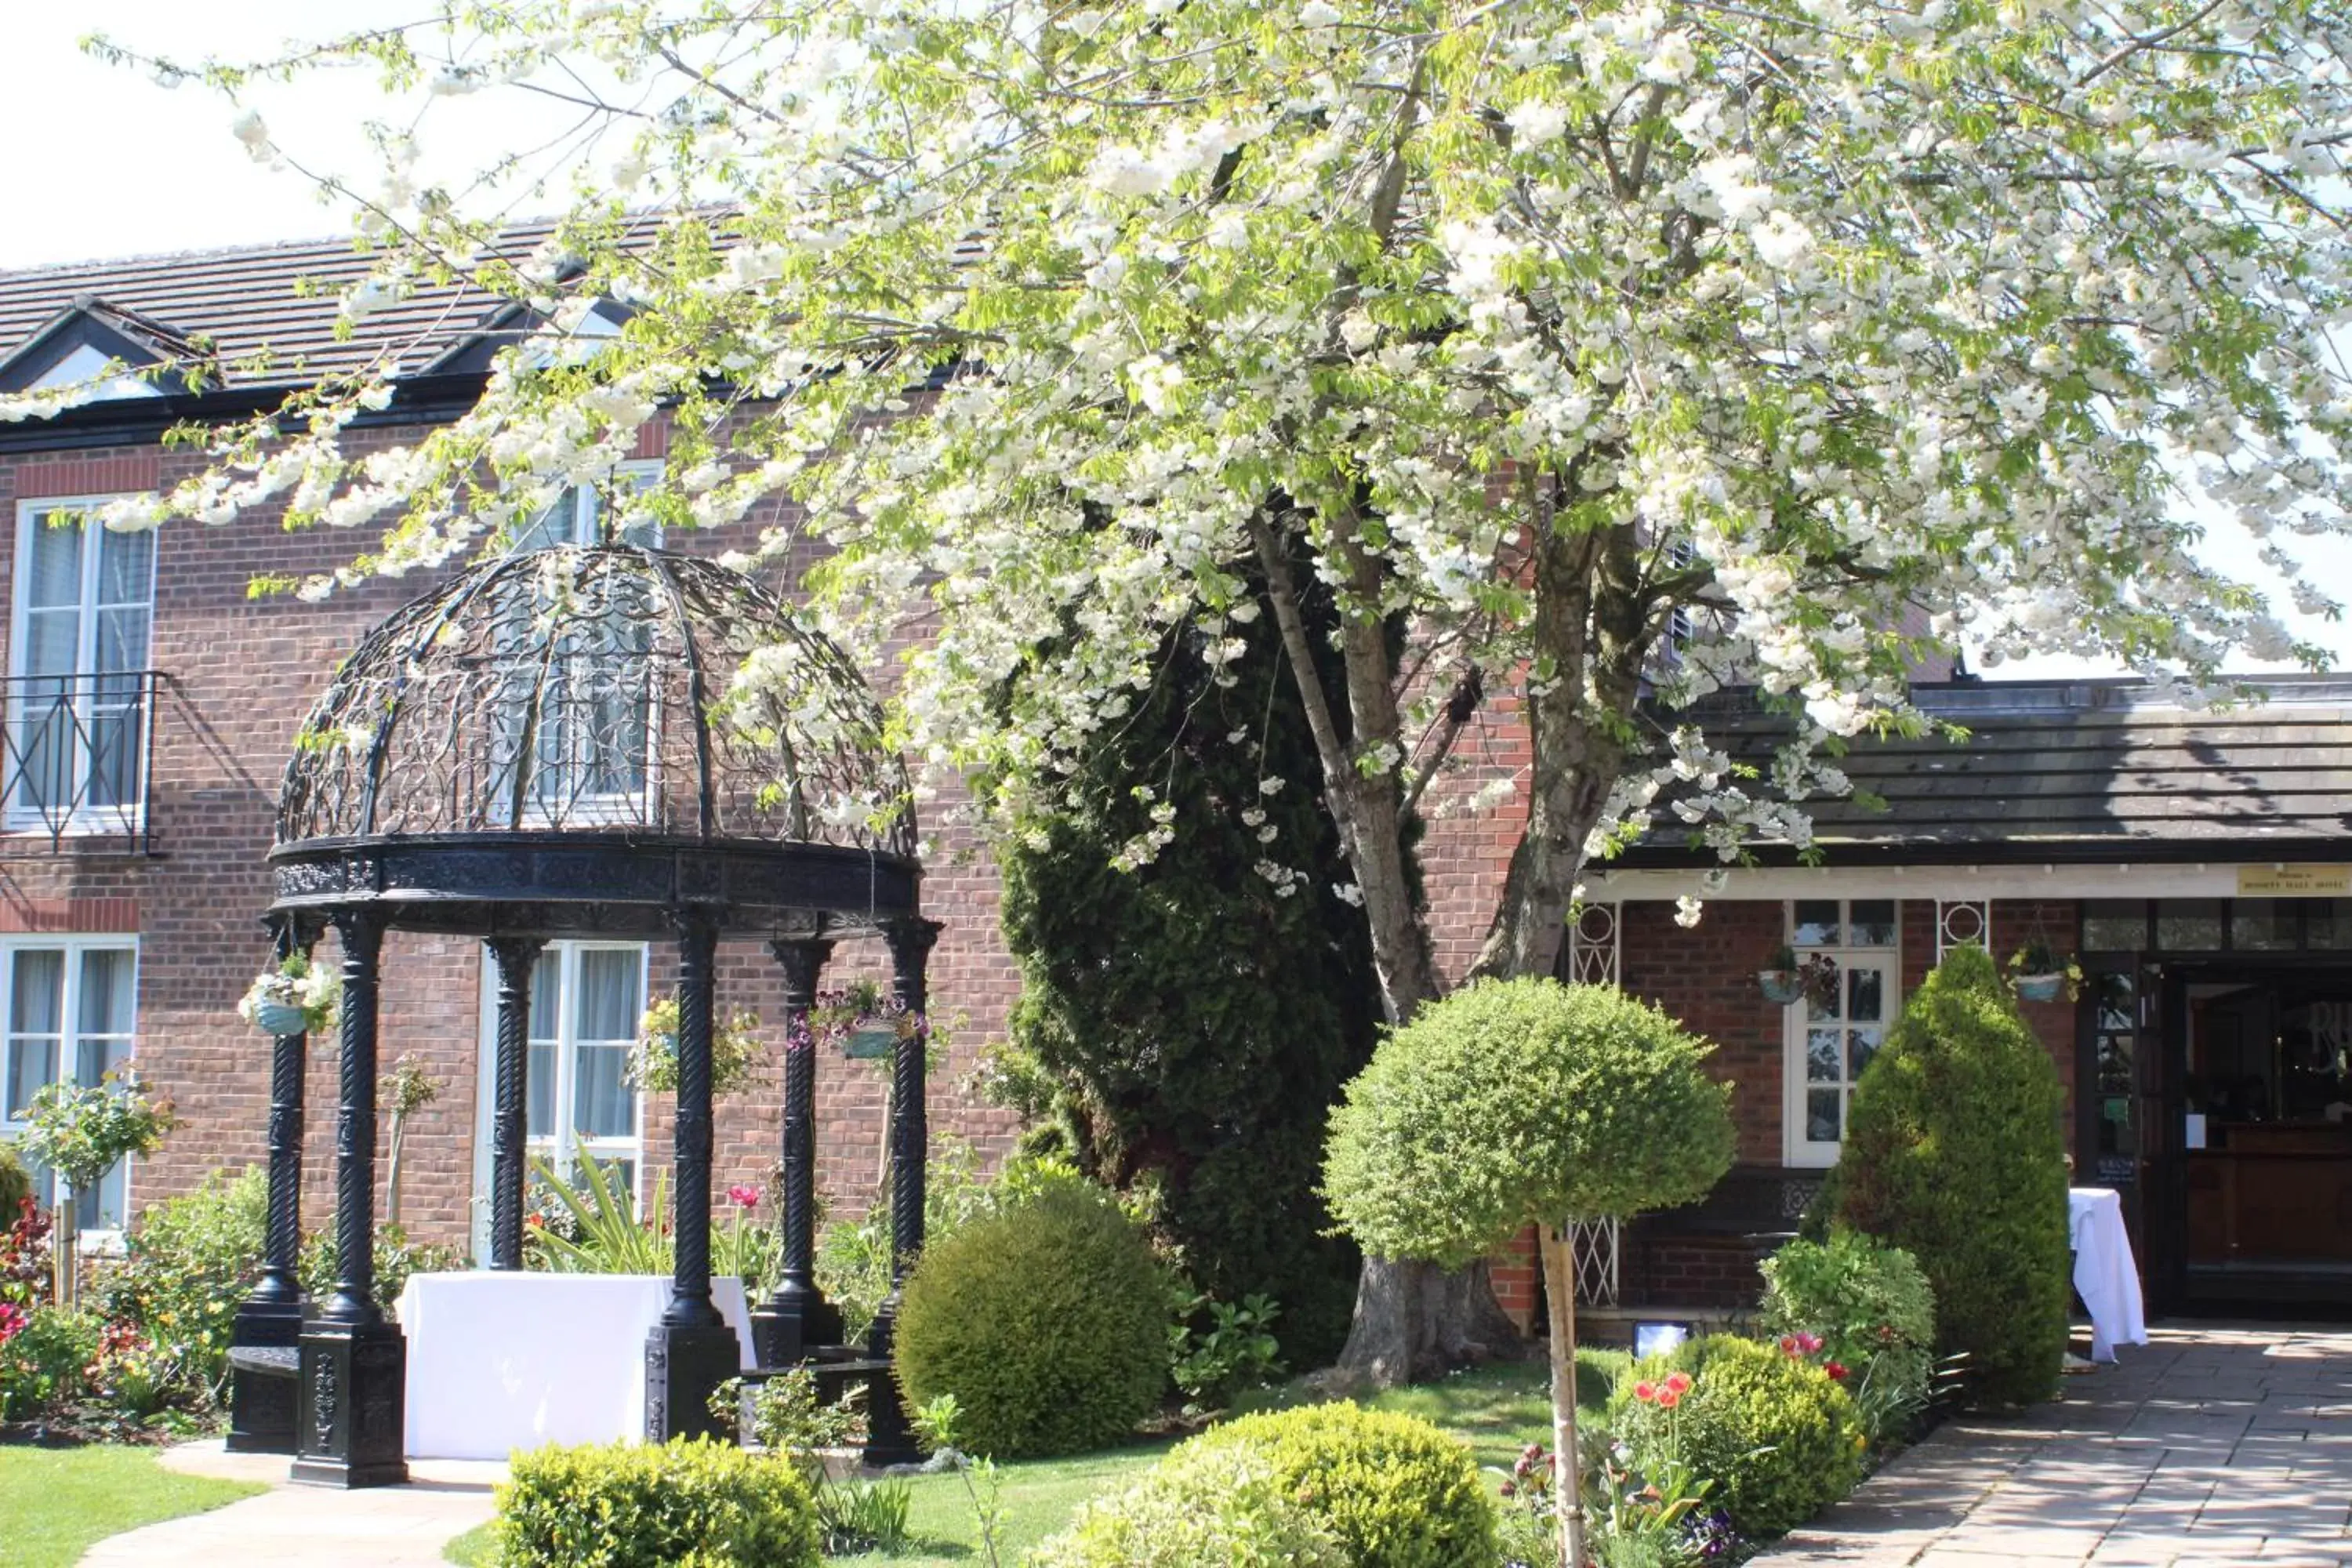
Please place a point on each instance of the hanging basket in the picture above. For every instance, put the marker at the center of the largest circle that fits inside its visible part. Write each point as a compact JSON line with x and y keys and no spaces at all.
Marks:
{"x":278,"y":1018}
{"x":2040,"y":987}
{"x":1781,"y":986}
{"x":867,"y":1044}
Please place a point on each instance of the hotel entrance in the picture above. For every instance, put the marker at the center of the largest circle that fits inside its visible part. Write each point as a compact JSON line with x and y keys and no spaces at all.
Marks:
{"x":2216,"y":1079}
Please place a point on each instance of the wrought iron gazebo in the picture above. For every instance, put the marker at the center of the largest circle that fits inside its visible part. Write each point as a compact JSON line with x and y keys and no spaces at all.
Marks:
{"x":608,"y":741}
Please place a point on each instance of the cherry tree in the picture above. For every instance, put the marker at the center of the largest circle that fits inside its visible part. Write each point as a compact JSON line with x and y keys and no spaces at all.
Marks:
{"x":1832,"y":333}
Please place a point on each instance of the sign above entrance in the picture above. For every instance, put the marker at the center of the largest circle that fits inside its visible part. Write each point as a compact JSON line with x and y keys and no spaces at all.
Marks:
{"x":2294,"y":881}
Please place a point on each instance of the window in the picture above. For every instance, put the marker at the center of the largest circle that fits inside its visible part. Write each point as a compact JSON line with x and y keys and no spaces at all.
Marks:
{"x":587,"y":757}
{"x":586,"y":1001}
{"x":77,"y":693}
{"x":71,"y":1008}
{"x":1848,"y":947}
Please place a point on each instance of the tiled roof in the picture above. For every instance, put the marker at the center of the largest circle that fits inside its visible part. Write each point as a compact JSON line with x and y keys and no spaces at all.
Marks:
{"x":2071,"y":770}
{"x":283,"y":298}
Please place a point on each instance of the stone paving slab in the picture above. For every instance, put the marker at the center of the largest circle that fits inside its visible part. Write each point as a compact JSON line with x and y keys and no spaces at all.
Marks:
{"x":382,"y":1527}
{"x":2214,"y":1446}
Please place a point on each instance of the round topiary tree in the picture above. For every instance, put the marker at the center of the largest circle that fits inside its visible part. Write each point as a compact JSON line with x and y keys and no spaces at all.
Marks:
{"x":1514,"y":1101}
{"x":1954,"y":1151}
{"x":1047,"y":1320}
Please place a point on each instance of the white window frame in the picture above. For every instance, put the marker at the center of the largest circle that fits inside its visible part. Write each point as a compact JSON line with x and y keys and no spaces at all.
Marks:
{"x":15,"y":814}
{"x":1797,"y":1151}
{"x":587,"y":502}
{"x":68,"y":1042}
{"x":562,"y":1147}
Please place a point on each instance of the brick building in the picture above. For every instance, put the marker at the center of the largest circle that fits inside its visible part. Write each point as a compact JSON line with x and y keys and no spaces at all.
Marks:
{"x":2198,"y":863}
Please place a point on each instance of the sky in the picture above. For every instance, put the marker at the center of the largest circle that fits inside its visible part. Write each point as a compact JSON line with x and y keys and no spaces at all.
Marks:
{"x":104,"y":163}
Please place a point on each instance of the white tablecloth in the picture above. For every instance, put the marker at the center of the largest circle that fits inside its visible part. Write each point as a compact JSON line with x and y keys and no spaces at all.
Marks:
{"x":498,"y":1361}
{"x":2104,"y":1274}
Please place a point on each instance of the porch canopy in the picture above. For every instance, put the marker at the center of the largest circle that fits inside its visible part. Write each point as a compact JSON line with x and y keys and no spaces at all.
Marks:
{"x":610,"y":742}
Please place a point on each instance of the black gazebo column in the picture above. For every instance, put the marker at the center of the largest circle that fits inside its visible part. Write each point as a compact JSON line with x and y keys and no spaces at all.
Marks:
{"x":516,"y":957}
{"x":262,"y":1353}
{"x":796,"y":1316}
{"x":351,"y":1418}
{"x":890,"y":1439}
{"x":691,"y":1351}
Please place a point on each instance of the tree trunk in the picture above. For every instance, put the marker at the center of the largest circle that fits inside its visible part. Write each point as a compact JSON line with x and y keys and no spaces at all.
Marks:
{"x":1568,"y":1471}
{"x":1415,"y":1321}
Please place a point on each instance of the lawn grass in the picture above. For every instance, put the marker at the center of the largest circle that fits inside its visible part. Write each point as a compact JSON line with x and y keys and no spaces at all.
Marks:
{"x":1497,"y":1410}
{"x":57,"y":1502}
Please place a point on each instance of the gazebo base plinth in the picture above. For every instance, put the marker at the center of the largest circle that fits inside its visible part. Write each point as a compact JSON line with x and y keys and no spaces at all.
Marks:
{"x":787,"y":1331}
{"x":261,"y":1396}
{"x":351,"y":1418}
{"x":684,"y":1365}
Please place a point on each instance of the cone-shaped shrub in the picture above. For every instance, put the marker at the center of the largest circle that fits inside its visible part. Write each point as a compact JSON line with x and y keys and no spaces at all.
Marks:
{"x":1954,"y":1152}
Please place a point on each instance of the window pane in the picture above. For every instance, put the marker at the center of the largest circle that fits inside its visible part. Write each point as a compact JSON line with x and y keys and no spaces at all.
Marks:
{"x":93,"y":1059}
{"x":38,"y":1006}
{"x":2327,"y":923}
{"x":602,"y":1103}
{"x":1871,"y":922}
{"x":1826,"y":1004}
{"x":126,"y":567}
{"x":2115,"y":925}
{"x":31,"y":1063}
{"x":1864,"y":995}
{"x":1823,"y":1122}
{"x":546,"y":999}
{"x":538,"y":1118}
{"x":1860,"y":1044}
{"x":121,"y":646}
{"x":2116,"y":994}
{"x":106,"y":998}
{"x":52,"y":643}
{"x":2263,"y":925}
{"x":1817,"y":922}
{"x":2190,"y":925}
{"x":608,"y":1007}
{"x":1822,"y":1053}
{"x":552,"y":527}
{"x":56,"y":575}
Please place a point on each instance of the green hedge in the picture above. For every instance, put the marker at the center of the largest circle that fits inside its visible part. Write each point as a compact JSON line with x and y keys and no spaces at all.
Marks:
{"x":1775,"y":1433}
{"x":1201,"y":1506}
{"x":1395,"y":1491}
{"x":653,"y":1506}
{"x":1047,"y":1320}
{"x":1955,"y":1152}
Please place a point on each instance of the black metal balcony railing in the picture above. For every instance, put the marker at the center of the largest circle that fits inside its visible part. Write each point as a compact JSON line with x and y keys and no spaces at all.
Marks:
{"x":74,"y":754}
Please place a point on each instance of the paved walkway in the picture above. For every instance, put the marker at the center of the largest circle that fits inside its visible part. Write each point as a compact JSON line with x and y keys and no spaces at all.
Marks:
{"x":384,"y":1526}
{"x":2210,"y":1446}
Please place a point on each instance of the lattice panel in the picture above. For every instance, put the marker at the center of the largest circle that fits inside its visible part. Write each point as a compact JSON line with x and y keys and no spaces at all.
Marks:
{"x":1593,"y":1255}
{"x":1595,"y":947}
{"x":1962,"y":922}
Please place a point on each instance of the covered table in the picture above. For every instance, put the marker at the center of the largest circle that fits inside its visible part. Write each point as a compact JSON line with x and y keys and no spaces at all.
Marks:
{"x":2105,"y":1276}
{"x":498,"y":1361}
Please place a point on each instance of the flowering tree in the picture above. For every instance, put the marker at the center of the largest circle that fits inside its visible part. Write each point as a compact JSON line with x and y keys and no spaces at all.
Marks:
{"x":1815,"y":334}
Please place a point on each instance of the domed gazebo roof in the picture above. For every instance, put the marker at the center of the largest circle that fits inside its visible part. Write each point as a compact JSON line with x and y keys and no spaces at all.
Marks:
{"x":550,"y":727}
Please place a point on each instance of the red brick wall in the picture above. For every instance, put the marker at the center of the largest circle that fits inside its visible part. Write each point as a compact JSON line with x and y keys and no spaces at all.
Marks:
{"x":1706,"y":976}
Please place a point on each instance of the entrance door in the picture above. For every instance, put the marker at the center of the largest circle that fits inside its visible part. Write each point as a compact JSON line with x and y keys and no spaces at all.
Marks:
{"x":2257,"y":1157}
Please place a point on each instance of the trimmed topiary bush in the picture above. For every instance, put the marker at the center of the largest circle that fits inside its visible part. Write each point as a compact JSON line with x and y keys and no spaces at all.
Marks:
{"x":1393,"y":1490}
{"x":1201,"y":1506}
{"x":631,"y":1505}
{"x":1873,"y":1312}
{"x":1774,"y":1432}
{"x":1954,"y":1152}
{"x":1526,"y":1101}
{"x":1047,"y":1320}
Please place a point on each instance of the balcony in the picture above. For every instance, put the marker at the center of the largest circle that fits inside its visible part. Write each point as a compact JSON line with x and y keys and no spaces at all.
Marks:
{"x":74,"y":756}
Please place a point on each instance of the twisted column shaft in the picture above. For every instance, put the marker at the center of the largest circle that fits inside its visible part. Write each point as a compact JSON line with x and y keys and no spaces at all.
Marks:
{"x":516,"y":958}
{"x":689,"y":1297}
{"x":353,"y":1302}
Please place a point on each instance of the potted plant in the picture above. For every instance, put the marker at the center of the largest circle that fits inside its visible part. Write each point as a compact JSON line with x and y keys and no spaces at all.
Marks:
{"x":653,"y":1060}
{"x":1781,"y":981}
{"x":296,"y":997}
{"x":862,"y":1021}
{"x":2039,"y":974}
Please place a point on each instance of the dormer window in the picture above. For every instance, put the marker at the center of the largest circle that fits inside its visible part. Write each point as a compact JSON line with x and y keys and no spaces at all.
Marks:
{"x":86,"y":363}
